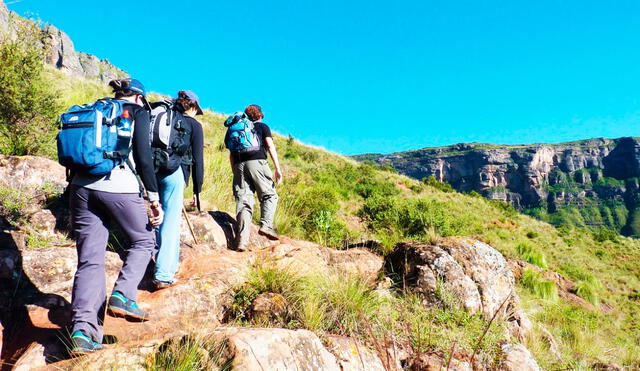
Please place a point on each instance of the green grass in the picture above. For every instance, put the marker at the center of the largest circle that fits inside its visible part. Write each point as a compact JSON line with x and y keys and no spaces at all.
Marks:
{"x":532,"y":254}
{"x":543,"y":288}
{"x":189,"y":353}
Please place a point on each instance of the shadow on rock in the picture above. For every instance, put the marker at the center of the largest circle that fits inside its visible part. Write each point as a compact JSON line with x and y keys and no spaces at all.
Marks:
{"x":24,"y":308}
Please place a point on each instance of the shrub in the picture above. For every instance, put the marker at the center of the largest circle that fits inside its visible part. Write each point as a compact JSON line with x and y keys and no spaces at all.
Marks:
{"x":13,"y":205}
{"x":411,"y":218}
{"x":605,"y":234}
{"x":539,"y":286}
{"x":532,"y":255}
{"x":28,"y":106}
{"x":504,"y":207}
{"x":441,"y":186}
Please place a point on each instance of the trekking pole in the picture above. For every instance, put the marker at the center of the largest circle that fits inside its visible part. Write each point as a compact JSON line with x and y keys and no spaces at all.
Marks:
{"x":186,"y":217}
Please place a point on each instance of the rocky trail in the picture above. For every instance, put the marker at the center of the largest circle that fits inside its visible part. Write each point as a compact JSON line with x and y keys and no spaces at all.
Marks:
{"x":35,"y":294}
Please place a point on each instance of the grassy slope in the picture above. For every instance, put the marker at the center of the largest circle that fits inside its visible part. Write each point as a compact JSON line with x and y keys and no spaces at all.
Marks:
{"x":329,"y":198}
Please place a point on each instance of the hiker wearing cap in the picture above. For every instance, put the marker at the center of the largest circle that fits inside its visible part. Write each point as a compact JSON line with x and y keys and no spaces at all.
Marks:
{"x":95,"y":202}
{"x":174,"y":159}
{"x":248,"y":140}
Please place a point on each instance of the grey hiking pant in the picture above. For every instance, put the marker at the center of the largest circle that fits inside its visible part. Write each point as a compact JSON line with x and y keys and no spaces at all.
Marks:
{"x":91,"y":212}
{"x":248,"y":177}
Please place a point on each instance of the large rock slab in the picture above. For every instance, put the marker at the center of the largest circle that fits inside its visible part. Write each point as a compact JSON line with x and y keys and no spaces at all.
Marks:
{"x":277,"y":349}
{"x":352,"y":355}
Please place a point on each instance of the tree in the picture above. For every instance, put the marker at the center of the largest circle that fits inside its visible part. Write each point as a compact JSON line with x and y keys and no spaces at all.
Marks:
{"x":28,"y":105}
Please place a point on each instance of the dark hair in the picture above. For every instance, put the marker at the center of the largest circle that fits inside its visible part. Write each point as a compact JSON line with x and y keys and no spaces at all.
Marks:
{"x":183,"y":103}
{"x":120,"y":88}
{"x":254,"y":112}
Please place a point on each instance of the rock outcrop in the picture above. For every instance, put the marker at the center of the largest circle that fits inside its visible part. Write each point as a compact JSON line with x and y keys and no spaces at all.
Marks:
{"x":595,"y":172}
{"x":475,"y":273}
{"x":60,"y":52}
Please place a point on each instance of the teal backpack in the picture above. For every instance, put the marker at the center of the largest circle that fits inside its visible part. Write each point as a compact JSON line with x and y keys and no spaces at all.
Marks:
{"x":95,"y":138}
{"x":241,"y":134}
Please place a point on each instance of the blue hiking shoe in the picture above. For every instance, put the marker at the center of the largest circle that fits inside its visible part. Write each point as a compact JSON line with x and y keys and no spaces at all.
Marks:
{"x":121,"y":306}
{"x":82,"y":344}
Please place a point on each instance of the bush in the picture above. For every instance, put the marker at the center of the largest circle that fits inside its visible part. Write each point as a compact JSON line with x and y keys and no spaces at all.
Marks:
{"x":411,"y":218}
{"x":441,"y":186}
{"x":539,"y":286}
{"x":28,"y":106}
{"x":532,"y":255}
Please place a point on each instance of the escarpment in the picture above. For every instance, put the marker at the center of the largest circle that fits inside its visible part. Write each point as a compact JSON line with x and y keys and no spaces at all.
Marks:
{"x":597,"y":179}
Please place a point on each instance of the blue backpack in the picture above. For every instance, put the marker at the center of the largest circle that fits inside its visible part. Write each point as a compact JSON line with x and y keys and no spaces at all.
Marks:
{"x":241,"y":134}
{"x":95,"y":138}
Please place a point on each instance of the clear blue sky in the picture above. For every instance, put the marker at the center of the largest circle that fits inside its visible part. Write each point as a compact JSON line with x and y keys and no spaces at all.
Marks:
{"x":358,"y":76}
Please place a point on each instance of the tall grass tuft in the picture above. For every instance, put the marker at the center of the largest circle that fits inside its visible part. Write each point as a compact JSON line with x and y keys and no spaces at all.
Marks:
{"x":532,"y":255}
{"x":541,"y":287}
{"x":190,"y":353}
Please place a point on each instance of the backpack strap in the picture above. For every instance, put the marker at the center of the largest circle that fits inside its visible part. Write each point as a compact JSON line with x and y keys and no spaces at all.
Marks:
{"x":143,"y":192}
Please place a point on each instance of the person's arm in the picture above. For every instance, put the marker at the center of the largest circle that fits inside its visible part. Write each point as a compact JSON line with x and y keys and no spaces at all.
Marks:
{"x":141,"y":149}
{"x":197,"y":151}
{"x":271,"y":147}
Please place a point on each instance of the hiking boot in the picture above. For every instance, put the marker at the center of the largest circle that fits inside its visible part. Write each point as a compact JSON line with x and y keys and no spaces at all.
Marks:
{"x":269,"y":232}
{"x":81,"y":344}
{"x":121,"y":306}
{"x":163,"y":284}
{"x":242,"y":246}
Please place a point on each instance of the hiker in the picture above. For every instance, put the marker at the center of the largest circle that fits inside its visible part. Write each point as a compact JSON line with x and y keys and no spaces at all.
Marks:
{"x":97,"y":200}
{"x":186,"y":147}
{"x":248,"y":140}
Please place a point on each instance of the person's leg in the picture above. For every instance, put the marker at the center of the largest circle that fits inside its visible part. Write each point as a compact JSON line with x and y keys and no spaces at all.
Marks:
{"x":130,"y":212}
{"x":243,"y":193}
{"x":266,"y":189}
{"x":89,"y":292}
{"x":171,"y":197}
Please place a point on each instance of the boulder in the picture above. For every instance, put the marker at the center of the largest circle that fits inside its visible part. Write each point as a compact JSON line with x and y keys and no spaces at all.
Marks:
{"x":352,"y":355}
{"x":276,"y":349}
{"x":269,"y":306}
{"x":51,"y":269}
{"x":215,"y":230}
{"x":308,"y":257}
{"x":29,"y":174}
{"x":474,"y":272}
{"x":518,"y":358}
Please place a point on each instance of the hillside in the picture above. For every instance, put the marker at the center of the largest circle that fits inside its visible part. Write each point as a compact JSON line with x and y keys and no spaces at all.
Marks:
{"x":584,"y":183}
{"x":580,"y":289}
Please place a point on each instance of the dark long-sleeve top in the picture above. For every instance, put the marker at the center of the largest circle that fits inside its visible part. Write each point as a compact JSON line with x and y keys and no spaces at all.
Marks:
{"x":197,"y":154}
{"x":122,"y":179}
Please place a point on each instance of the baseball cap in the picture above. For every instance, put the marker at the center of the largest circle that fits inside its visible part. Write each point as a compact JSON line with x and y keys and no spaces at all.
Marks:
{"x":190,"y":95}
{"x":136,"y":87}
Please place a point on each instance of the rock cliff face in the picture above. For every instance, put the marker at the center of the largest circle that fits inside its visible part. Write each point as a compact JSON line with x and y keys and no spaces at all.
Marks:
{"x":60,"y":52}
{"x":593,"y":175}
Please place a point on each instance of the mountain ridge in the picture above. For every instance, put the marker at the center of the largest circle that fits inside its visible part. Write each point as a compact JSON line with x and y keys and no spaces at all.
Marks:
{"x":588,"y":177}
